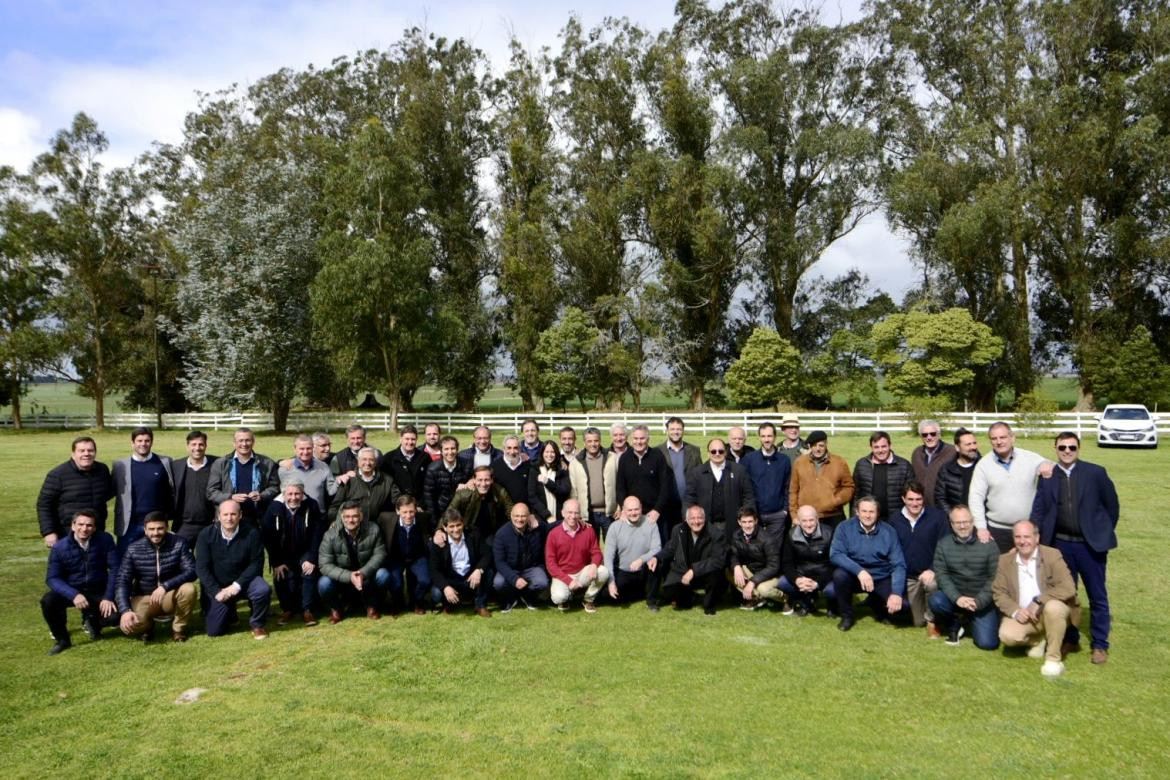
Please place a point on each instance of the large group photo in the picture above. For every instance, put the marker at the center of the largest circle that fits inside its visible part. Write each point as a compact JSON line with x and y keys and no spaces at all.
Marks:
{"x":702,"y":388}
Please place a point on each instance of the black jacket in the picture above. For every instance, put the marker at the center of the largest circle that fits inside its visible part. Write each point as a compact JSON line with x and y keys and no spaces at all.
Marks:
{"x":705,"y":555}
{"x":897,"y":475}
{"x":144,"y":567}
{"x":649,"y":479}
{"x":292,"y":538}
{"x":803,"y":556}
{"x":514,"y":552}
{"x":66,"y":490}
{"x":219,"y":564}
{"x":402,"y":548}
{"x":479,"y":553}
{"x":760,"y":553}
{"x":953,"y":484}
{"x":408,"y":475}
{"x":73,"y":570}
{"x":730,"y":494}
{"x":440,"y":485}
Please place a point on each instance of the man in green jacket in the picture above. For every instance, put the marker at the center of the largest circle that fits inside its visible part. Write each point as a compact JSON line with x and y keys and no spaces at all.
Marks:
{"x":964,"y":568}
{"x":350,"y":560}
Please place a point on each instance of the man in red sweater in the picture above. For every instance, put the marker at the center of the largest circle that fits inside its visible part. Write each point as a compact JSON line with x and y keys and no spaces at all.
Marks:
{"x":573,"y":560}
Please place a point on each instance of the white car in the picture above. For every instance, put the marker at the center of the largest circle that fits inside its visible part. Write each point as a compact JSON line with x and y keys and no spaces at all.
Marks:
{"x":1127,"y":425}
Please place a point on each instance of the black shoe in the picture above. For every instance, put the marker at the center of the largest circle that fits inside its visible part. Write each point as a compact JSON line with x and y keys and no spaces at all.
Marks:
{"x":846,"y":623}
{"x":92,"y":631}
{"x":652,"y":607}
{"x":954,"y":634}
{"x":800,"y":610}
{"x":709,"y":611}
{"x":61,"y":646}
{"x":146,"y":636}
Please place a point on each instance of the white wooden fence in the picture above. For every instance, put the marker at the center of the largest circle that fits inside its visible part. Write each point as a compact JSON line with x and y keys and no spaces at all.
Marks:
{"x":1084,"y":423}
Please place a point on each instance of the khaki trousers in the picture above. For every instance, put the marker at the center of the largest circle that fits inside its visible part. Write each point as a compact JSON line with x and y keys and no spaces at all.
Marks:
{"x":918,"y":594}
{"x":178,"y":602}
{"x":768,"y":589}
{"x":1051,"y":626}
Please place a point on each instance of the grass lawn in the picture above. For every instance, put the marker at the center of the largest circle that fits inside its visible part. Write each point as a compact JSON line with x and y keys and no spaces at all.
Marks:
{"x":623,"y":692}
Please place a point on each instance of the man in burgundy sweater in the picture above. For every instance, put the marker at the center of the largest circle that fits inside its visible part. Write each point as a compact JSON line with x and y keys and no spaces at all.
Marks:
{"x":573,"y":560}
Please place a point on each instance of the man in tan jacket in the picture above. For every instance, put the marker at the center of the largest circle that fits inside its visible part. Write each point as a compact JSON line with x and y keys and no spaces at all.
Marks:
{"x":1037,"y":597}
{"x":821,"y":480}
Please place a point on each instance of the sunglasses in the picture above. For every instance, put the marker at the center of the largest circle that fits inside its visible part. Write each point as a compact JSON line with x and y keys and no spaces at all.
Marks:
{"x":930,"y":435}
{"x":1066,"y":447}
{"x":716,"y":452}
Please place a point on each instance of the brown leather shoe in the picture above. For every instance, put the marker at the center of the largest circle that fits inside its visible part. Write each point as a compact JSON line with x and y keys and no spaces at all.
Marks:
{"x":373,"y":614}
{"x":1069,"y":647}
{"x":309,"y":618}
{"x":419,"y":611}
{"x":1100,"y":655}
{"x":483,"y":612}
{"x":284,"y":618}
{"x":259,"y":633}
{"x":932,"y":631}
{"x":447,"y":609}
{"x":179,"y":636}
{"x":334,"y":616}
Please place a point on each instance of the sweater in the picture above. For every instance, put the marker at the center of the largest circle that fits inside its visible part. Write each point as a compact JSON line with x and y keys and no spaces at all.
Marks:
{"x":1000,"y":496}
{"x":771,"y":476}
{"x":877,"y":552}
{"x":627,"y":542}
{"x":221,"y":563}
{"x":566,"y":555}
{"x":918,"y":544}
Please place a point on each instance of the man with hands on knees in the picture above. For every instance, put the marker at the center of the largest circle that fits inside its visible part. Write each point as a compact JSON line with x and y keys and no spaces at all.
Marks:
{"x":156,"y":577}
{"x":83,"y":571}
{"x":229,"y":557}
{"x":868,"y":558}
{"x":461,"y":567}
{"x":630,"y":544}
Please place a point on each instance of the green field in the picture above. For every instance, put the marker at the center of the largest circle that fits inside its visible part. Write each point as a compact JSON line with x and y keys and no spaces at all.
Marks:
{"x":623,"y":692}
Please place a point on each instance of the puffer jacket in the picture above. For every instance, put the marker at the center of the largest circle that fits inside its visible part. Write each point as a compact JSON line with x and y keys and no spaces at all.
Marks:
{"x":808,"y":556}
{"x":333,"y":557}
{"x":953,"y":484}
{"x":73,"y":570}
{"x":144,"y":567}
{"x":439,"y":487}
{"x":899,"y":473}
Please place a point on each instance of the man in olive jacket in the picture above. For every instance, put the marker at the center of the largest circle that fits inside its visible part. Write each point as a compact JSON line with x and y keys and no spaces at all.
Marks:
{"x":351,"y":561}
{"x":964,"y":569}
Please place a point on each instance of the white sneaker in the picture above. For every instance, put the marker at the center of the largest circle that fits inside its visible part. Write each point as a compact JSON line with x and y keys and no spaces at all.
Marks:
{"x":1037,"y":650}
{"x":1052,"y":669}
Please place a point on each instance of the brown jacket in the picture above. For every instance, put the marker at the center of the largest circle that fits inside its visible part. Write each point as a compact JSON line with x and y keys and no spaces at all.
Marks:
{"x":928,"y":475}
{"x":1052,"y":574}
{"x":828,"y":490}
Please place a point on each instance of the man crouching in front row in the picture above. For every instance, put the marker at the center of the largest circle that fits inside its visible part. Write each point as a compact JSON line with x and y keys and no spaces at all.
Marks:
{"x":156,"y":577}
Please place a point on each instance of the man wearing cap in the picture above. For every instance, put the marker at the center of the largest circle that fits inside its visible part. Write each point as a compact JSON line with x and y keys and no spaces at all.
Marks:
{"x":821,"y":480}
{"x":770,"y":472}
{"x":791,"y":445}
{"x":930,"y":456}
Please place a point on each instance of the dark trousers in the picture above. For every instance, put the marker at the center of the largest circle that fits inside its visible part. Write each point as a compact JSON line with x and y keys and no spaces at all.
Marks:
{"x":635,"y":585}
{"x":600,"y":522}
{"x":54,"y":606}
{"x":466,"y":592}
{"x":220,"y":613}
{"x":1085,"y":563}
{"x":846,"y":584}
{"x":416,"y":577}
{"x":775,"y":523}
{"x":190,"y":532}
{"x":132,"y":533}
{"x":338,"y":595}
{"x":296,"y":590}
{"x":984,"y":623}
{"x":1002,"y":538}
{"x":808,"y":599}
{"x":683,"y":596}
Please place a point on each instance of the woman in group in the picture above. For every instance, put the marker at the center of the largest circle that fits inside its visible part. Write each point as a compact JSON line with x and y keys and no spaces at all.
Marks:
{"x":548,"y":483}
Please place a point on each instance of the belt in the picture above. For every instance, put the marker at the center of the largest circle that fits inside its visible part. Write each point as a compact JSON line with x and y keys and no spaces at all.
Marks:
{"x":1070,"y":538}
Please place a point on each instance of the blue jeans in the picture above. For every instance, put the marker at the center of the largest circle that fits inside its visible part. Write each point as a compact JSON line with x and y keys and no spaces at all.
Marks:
{"x":808,"y":599}
{"x":337,"y":595}
{"x":1087,"y":564}
{"x":221,"y":614}
{"x":537,"y":581}
{"x":984,"y":622}
{"x":600,"y":522}
{"x":296,"y":588}
{"x":415,"y":576}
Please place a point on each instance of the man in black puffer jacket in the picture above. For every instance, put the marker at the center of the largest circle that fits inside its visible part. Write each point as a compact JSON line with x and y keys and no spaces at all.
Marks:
{"x":954,"y":477}
{"x":882,"y":474}
{"x":156,"y":577}
{"x":805,"y":561}
{"x":443,"y":478}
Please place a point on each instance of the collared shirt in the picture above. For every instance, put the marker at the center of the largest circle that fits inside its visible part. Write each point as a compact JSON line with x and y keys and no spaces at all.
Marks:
{"x":570,"y":531}
{"x":876,"y":462}
{"x":912,"y":520}
{"x":460,"y":556}
{"x":140,"y":459}
{"x":1007,"y":464}
{"x":1029,"y":585}
{"x":1067,"y":472}
{"x":191,"y":464}
{"x":513,"y":466}
{"x":83,"y":545}
{"x":873,"y":529}
{"x":299,"y":465}
{"x":405,"y":454}
{"x":931,"y":454}
{"x":241,"y":461}
{"x":368,"y":479}
{"x":482,"y":458}
{"x":717,"y":470}
{"x":228,"y":537}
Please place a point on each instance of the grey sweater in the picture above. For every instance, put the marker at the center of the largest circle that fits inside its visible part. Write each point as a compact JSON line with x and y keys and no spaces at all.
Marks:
{"x":627,"y":543}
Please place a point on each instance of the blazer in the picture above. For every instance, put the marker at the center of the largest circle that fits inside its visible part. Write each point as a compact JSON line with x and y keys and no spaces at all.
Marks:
{"x":1097,"y":506}
{"x":731,"y":493}
{"x":1051,"y":573}
{"x":479,"y":553}
{"x":468,"y":455}
{"x":124,"y":491}
{"x":691,"y":459}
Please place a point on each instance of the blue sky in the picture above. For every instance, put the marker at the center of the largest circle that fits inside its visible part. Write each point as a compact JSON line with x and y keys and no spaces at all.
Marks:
{"x":136,"y":68}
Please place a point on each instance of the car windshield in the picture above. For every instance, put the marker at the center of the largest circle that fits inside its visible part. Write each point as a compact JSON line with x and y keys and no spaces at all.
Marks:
{"x":1126,"y":414}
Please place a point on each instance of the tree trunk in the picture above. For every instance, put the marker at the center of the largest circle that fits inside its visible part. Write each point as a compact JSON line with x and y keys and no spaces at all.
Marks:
{"x":698,"y":403}
{"x":406,"y":398}
{"x":280,"y":409}
{"x":16,"y":422}
{"x":538,"y":404}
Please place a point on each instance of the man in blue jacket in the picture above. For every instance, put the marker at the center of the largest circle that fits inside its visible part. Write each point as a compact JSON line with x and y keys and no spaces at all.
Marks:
{"x":229,"y":557}
{"x":770,"y":471}
{"x":82,"y":573}
{"x":869,"y":558}
{"x":156,"y":576}
{"x":291,"y":530}
{"x":518,"y":551}
{"x":1076,"y":510}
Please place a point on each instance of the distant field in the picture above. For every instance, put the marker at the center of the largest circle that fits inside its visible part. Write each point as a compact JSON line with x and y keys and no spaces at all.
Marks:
{"x":62,"y":398}
{"x":619,"y":693}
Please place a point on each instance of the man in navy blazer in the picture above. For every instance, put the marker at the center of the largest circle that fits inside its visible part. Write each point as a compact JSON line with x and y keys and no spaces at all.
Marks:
{"x":1076,"y":510}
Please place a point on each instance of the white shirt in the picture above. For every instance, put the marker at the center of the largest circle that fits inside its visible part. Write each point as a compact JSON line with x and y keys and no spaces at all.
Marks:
{"x":717,"y":470}
{"x":482,"y":458}
{"x":460,"y":557}
{"x":913,"y":521}
{"x":1029,"y":586}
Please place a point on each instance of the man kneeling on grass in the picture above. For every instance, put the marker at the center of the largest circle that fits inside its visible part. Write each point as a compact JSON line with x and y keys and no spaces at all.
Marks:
{"x":965,"y":568}
{"x":351,"y":558}
{"x":573,"y":559}
{"x":755,"y":562}
{"x":694,"y":560}
{"x":156,"y":577}
{"x":518,"y":552}
{"x":229,"y":557}
{"x":460,"y":567}
{"x":83,"y":571}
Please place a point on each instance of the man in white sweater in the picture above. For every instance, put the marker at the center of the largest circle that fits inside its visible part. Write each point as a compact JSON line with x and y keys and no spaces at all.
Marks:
{"x":630,"y":543}
{"x":1003,"y":486}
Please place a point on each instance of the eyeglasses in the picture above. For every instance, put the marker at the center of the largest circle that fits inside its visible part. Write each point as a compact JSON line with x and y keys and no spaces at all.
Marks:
{"x":1066,"y":448}
{"x":930,"y":435}
{"x":716,"y":452}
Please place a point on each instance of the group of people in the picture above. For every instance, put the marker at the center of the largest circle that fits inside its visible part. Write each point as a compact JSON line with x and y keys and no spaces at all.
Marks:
{"x":991,"y":545}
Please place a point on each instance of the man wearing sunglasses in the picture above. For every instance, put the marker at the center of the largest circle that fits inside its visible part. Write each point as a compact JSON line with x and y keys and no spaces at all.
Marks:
{"x":930,"y":456}
{"x":1076,"y":510}
{"x":721,"y":488}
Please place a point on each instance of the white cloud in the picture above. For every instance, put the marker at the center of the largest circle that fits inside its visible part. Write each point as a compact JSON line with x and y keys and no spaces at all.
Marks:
{"x":20,"y":138}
